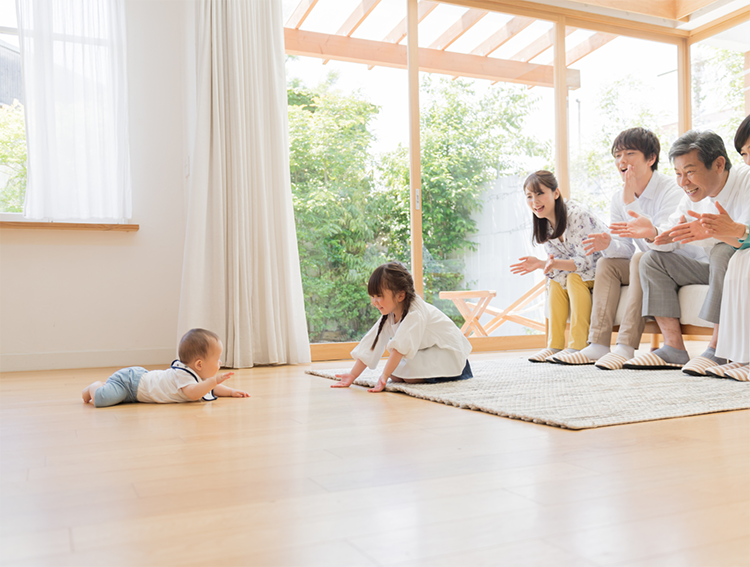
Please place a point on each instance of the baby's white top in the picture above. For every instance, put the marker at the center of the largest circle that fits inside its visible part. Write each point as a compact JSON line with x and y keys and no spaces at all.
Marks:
{"x":165,"y":386}
{"x":432,"y":345}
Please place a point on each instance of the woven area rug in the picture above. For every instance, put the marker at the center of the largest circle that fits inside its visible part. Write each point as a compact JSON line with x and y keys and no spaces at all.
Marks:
{"x":573,"y":397}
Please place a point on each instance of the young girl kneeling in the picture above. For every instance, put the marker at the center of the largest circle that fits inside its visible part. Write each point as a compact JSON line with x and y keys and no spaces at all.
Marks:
{"x":425,"y":346}
{"x":562,"y":229}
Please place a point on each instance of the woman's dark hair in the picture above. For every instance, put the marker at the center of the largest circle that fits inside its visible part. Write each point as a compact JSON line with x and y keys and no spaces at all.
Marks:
{"x":395,"y":277}
{"x":645,"y":141}
{"x":742,"y":135}
{"x":536,"y":182}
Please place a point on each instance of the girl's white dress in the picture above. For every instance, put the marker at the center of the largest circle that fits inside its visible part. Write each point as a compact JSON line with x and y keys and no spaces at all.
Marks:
{"x":734,"y":327}
{"x":432,"y":345}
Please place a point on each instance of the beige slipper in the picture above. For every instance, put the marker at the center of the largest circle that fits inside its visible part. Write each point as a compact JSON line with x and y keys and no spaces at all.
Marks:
{"x":698,"y":366}
{"x":742,"y":373}
{"x":650,"y":361}
{"x":572,"y":358}
{"x":720,"y":371}
{"x":542,"y":355}
{"x":611,"y":361}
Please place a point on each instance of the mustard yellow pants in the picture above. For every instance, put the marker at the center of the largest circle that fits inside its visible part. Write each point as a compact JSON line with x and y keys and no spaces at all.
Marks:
{"x":576,"y":299}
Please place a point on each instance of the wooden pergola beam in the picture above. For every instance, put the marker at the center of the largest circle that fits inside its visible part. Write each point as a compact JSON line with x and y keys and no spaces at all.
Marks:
{"x":459,"y":28}
{"x":300,"y":14}
{"x":329,"y":46}
{"x":587,"y":46}
{"x":358,"y":16}
{"x":684,"y":8}
{"x":658,"y":9}
{"x":667,"y":9}
{"x":399,"y":32}
{"x":497,"y":39}
{"x":539,"y":45}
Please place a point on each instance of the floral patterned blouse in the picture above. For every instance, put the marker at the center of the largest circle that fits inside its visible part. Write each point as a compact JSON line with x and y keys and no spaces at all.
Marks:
{"x":581,"y":223}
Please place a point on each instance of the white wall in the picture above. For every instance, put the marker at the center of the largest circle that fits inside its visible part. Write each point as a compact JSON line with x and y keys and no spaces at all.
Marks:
{"x":72,"y":299}
{"x":503,"y":235}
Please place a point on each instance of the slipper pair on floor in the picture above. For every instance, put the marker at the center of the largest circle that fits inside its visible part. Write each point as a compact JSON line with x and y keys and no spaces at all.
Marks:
{"x":699,"y":366}
{"x":610,"y":361}
{"x":569,"y":356}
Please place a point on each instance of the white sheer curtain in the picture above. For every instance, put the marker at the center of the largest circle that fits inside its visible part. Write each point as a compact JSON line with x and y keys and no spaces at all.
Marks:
{"x":75,"y":89}
{"x":241,"y":275}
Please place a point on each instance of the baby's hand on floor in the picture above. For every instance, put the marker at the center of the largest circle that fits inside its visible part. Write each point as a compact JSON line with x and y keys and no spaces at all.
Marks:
{"x":240,"y":394}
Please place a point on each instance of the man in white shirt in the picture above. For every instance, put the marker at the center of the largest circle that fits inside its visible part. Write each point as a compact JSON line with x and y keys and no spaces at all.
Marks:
{"x":711,"y":185}
{"x":646,"y":192}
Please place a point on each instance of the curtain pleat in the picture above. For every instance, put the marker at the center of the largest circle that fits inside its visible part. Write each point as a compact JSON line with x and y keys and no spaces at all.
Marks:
{"x":241,"y":275}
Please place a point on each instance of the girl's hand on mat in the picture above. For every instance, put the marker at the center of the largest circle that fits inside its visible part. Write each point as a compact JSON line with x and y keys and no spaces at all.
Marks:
{"x":596,"y":242}
{"x":526,"y":265}
{"x":379,"y":385}
{"x":639,"y":227}
{"x":346,"y":380}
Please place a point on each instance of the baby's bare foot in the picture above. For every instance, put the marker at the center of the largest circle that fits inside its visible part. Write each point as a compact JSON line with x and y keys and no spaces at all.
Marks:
{"x":86,"y":395}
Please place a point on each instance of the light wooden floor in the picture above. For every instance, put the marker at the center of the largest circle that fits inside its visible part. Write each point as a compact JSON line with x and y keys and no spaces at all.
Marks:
{"x":300,"y":474}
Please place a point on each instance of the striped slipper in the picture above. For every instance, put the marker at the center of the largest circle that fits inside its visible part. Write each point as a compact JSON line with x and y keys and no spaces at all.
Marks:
{"x":572,"y":358}
{"x":720,"y":371}
{"x":542,"y":355}
{"x":698,"y":366}
{"x":649,"y":361}
{"x":611,"y":361}
{"x":742,"y":373}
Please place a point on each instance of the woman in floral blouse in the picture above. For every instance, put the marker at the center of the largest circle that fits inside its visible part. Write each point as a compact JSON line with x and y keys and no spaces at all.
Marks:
{"x":562,"y":228}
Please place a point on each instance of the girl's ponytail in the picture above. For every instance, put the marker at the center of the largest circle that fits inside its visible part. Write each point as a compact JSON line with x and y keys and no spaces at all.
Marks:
{"x":380,"y":328}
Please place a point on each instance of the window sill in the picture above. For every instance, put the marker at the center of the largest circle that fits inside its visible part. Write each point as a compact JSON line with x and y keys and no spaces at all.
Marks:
{"x":71,"y":226}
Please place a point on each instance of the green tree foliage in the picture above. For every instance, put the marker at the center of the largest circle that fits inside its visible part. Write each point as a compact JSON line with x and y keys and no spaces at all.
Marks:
{"x":352,"y":208}
{"x":622,"y":105}
{"x":467,"y":141}
{"x":12,"y":158}
{"x":718,"y":85}
{"x":331,"y":167}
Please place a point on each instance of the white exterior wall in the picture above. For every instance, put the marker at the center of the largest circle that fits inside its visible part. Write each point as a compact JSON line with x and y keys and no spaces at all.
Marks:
{"x":503,"y":235}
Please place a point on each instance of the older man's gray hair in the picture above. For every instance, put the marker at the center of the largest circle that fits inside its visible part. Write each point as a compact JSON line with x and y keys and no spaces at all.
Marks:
{"x":709,"y":145}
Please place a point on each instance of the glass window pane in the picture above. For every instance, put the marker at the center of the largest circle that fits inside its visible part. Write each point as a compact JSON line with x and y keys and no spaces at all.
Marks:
{"x":8,"y":14}
{"x":625,"y":83}
{"x":346,"y":123}
{"x":481,"y":134}
{"x":720,"y":95}
{"x":12,"y":127}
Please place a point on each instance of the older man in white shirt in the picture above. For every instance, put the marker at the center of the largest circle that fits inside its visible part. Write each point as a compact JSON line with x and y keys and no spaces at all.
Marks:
{"x":711,"y":185}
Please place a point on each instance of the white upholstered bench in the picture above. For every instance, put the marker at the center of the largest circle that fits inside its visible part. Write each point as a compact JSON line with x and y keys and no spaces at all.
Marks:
{"x":691,"y":300}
